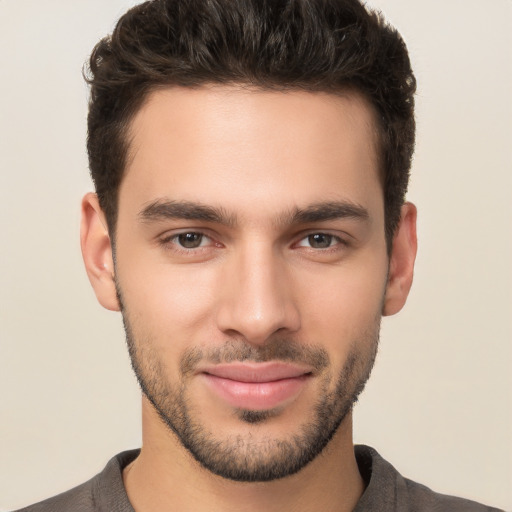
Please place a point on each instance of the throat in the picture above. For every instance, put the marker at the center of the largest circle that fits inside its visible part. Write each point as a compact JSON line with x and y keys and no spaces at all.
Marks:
{"x":165,"y":477}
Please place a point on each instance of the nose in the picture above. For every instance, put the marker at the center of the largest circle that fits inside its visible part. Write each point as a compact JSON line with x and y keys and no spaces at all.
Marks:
{"x":257,"y":297}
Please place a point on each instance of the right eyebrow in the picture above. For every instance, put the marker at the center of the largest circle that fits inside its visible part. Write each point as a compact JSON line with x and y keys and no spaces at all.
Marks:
{"x":188,"y":210}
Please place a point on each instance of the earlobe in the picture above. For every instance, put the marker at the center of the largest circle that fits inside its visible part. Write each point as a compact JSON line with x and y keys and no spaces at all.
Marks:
{"x":401,"y":264}
{"x":97,"y":252}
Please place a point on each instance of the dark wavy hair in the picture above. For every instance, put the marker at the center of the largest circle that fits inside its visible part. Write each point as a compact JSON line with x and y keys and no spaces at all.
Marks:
{"x":313,"y":45}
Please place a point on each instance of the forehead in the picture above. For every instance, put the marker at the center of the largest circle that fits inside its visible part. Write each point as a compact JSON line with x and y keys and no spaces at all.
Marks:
{"x":231,"y":146}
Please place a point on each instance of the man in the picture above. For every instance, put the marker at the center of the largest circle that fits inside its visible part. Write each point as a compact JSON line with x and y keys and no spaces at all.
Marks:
{"x":250,"y":161}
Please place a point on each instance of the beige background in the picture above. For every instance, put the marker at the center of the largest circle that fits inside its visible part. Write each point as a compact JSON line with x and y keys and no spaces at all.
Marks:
{"x":439,"y":403}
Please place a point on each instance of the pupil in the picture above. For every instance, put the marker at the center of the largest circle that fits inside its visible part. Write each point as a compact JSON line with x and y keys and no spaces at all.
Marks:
{"x":320,"y":241}
{"x":190,"y":240}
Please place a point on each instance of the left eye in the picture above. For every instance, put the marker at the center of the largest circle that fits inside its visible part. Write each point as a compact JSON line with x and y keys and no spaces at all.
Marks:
{"x":319,"y":241}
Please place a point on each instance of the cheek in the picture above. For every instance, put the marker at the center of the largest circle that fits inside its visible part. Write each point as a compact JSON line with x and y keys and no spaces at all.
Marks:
{"x":344,"y":307}
{"x":170,"y":305}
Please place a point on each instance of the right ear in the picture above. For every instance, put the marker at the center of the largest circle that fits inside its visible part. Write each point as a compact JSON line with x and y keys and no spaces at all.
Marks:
{"x":97,"y":252}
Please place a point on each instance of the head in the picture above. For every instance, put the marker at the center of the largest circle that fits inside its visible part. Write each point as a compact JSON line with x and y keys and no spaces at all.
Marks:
{"x":250,"y":161}
{"x":332,"y":46}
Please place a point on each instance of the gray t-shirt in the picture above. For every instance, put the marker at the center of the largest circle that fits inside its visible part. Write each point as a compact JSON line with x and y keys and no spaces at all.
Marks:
{"x":386,"y":491}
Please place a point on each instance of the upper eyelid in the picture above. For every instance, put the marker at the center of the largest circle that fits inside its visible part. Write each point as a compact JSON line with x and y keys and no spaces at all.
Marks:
{"x":337,"y":238}
{"x":336,"y":233}
{"x":298,"y":237}
{"x":170,"y":243}
{"x":170,"y":234}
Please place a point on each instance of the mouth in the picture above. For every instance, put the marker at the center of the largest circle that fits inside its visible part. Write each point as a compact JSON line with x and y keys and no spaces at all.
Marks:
{"x":256,"y":386}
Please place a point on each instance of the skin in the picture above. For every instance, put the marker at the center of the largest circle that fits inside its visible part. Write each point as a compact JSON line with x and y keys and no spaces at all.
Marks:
{"x":258,"y":157}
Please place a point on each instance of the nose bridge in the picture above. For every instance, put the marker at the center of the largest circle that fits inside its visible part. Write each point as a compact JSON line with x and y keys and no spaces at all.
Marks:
{"x":257,"y":297}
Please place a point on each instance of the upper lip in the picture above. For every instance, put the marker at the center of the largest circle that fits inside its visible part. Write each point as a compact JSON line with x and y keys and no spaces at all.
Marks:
{"x":256,"y":372}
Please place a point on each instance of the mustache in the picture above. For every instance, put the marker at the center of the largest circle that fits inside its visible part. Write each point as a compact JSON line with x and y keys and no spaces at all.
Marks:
{"x":239,"y":350}
{"x":278,"y":349}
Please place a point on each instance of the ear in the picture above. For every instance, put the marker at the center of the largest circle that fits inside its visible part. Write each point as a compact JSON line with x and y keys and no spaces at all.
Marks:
{"x":97,"y":252}
{"x":401,"y":264}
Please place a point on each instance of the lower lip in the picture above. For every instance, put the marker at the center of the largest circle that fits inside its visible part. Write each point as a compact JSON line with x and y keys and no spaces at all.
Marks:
{"x":256,"y":396}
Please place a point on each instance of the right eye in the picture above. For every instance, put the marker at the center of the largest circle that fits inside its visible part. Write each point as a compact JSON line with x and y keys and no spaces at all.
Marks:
{"x":186,"y":241}
{"x":191,"y":240}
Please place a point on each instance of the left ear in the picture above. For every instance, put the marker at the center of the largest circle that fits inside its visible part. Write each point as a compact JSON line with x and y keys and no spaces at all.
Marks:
{"x":401,"y":263}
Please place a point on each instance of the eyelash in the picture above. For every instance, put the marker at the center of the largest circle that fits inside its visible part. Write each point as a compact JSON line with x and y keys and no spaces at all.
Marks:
{"x":171,"y":242}
{"x":333,"y":238}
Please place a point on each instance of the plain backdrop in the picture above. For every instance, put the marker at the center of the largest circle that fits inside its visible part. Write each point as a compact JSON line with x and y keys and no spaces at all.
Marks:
{"x":439,"y":403}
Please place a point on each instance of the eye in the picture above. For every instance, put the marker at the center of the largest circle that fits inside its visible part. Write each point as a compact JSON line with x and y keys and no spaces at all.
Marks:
{"x":319,"y":241}
{"x":190,"y":245}
{"x":187,"y":240}
{"x":190,"y":240}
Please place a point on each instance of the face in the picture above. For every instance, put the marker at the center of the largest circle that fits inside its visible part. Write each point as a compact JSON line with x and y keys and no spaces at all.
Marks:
{"x":252,"y":270}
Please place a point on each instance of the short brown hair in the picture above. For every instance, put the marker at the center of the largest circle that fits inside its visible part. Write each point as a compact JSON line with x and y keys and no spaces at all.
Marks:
{"x":313,"y":45}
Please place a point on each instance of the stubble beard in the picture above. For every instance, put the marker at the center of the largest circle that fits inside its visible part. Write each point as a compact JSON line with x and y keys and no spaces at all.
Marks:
{"x":242,"y":457}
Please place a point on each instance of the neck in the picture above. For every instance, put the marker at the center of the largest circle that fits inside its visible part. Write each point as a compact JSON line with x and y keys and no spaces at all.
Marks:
{"x":166,"y":477}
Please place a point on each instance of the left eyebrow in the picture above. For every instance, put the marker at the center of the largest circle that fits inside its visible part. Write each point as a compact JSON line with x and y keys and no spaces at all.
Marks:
{"x":320,"y":212}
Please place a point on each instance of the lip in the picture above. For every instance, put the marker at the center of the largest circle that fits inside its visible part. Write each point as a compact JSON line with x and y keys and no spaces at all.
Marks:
{"x":256,"y":386}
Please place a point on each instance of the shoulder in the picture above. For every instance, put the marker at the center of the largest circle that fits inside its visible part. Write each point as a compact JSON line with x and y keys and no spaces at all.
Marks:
{"x":387,"y":490}
{"x":424,"y":499}
{"x":78,"y":499}
{"x":103,"y":493}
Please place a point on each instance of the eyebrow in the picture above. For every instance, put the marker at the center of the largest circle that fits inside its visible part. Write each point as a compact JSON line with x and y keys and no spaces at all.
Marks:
{"x":188,"y":210}
{"x":160,"y":210}
{"x":331,"y":210}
